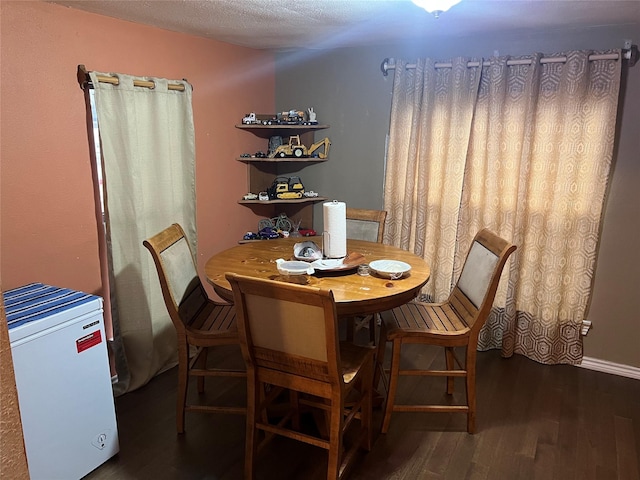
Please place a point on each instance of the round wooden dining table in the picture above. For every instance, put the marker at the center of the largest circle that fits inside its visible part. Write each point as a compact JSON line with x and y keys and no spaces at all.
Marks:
{"x":354,"y":294}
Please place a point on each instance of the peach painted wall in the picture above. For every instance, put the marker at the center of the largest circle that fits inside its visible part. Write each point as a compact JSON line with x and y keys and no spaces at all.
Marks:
{"x":48,"y":223}
{"x":13,"y":457}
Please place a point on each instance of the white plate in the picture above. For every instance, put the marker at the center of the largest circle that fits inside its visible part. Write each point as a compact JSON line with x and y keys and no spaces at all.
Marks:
{"x":392,"y":269}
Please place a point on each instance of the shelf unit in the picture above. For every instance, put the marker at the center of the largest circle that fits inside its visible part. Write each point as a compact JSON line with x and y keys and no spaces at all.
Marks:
{"x":262,"y":171}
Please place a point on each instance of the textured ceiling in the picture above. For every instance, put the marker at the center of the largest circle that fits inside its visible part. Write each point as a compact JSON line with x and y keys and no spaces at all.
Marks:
{"x":286,"y":24}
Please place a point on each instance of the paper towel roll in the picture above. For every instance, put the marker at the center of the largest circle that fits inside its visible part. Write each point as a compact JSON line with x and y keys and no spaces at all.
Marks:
{"x":334,"y":236}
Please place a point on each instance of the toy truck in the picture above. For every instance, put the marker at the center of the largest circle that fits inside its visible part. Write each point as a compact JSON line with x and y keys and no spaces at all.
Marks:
{"x":250,"y":119}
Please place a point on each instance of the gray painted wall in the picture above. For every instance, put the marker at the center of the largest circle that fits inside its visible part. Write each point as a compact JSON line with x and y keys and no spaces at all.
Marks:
{"x":349,"y":92}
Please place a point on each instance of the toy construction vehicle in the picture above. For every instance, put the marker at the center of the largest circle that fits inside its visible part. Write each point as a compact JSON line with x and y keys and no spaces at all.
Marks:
{"x":297,"y":150}
{"x":291,"y":117}
{"x":286,"y":188}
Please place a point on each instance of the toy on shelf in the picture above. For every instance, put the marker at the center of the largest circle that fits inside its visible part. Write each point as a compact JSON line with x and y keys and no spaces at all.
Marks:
{"x":251,"y":119}
{"x":284,"y":188}
{"x":290,"y":117}
{"x":276,"y":227}
{"x":296,"y":149}
{"x":312,"y":116}
{"x":280,"y":226}
{"x":281,"y":223}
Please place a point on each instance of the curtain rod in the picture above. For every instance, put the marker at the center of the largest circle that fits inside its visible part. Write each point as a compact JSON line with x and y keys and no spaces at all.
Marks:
{"x":630,"y":54}
{"x":85,"y":81}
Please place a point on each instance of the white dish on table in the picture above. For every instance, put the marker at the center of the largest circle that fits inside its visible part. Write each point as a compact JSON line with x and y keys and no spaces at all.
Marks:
{"x":332,"y":265}
{"x":350,"y":262}
{"x":393,"y":269}
{"x":294,"y":267}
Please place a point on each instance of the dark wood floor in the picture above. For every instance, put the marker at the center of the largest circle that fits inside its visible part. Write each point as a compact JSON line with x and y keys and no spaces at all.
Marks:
{"x":534,"y":422}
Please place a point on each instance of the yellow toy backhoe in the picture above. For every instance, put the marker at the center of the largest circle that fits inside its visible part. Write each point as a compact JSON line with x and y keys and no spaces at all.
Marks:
{"x":297,"y":150}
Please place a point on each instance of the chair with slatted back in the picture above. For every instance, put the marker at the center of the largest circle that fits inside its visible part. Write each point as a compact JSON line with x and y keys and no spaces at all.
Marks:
{"x":454,"y":323}
{"x":364,"y":225}
{"x":199,"y":321}
{"x":289,"y":340}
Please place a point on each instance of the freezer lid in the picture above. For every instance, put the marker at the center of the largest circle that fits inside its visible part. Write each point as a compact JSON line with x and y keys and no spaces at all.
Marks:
{"x":35,"y":307}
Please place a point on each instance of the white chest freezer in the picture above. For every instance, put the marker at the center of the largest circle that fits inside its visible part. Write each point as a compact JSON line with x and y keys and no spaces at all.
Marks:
{"x":63,"y":380}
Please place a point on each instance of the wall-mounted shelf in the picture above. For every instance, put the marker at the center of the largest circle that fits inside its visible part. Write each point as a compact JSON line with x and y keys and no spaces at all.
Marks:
{"x":265,"y":129}
{"x":289,"y":201}
{"x":261,"y":171}
{"x":281,"y":160}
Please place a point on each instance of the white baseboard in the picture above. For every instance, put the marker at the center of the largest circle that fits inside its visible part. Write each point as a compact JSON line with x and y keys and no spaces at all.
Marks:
{"x":610,"y":367}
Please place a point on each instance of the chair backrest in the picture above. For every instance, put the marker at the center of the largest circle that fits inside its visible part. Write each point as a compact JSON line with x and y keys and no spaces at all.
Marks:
{"x":183,"y":292}
{"x":473,"y":295}
{"x":366,"y":224}
{"x":287,"y":327}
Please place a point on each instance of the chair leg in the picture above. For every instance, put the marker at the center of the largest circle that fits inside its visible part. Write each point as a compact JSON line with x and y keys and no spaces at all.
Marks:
{"x":294,"y":401}
{"x":471,"y":388}
{"x":373,"y":324}
{"x":183,"y":383}
{"x":451,"y":365}
{"x":393,"y":384}
{"x":251,"y":441}
{"x":366,"y":412}
{"x":351,"y":328}
{"x":380,"y":353}
{"x":202,"y":361}
{"x":335,"y":437}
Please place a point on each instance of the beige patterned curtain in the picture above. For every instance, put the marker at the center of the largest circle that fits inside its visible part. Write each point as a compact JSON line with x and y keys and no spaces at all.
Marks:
{"x":536,"y":172}
{"x":431,"y":115}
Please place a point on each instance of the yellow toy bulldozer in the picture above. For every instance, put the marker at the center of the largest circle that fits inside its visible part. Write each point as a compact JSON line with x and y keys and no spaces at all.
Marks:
{"x":285,"y":188}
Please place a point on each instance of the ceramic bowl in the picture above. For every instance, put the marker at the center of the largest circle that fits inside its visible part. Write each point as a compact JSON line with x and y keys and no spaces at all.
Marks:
{"x":307,"y":251}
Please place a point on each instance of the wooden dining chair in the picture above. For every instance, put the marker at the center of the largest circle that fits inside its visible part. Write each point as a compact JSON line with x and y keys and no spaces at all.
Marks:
{"x":199,"y":321}
{"x":289,"y":340}
{"x":364,"y":225}
{"x":454,"y":323}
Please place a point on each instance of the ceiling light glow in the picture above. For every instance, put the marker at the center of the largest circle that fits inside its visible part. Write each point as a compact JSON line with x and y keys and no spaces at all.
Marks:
{"x":436,"y":7}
